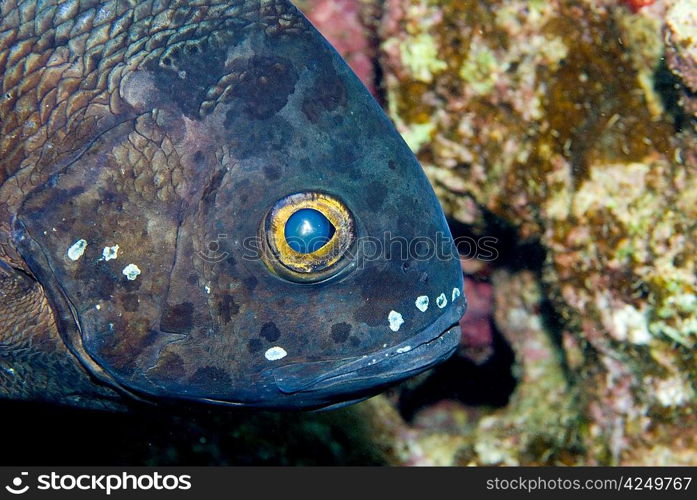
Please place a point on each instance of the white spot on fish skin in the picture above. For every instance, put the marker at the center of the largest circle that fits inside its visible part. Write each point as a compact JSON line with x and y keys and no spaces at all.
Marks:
{"x":395,"y":320}
{"x":441,"y":301}
{"x":110,"y":253}
{"x":131,"y":272}
{"x":404,"y":349}
{"x":422,"y":303}
{"x":98,"y":307}
{"x":207,"y":289}
{"x":76,"y":251}
{"x":275,"y":353}
{"x":456,"y":293}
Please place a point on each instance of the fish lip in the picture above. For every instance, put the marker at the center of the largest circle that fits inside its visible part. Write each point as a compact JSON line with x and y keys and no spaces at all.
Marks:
{"x":372,"y":372}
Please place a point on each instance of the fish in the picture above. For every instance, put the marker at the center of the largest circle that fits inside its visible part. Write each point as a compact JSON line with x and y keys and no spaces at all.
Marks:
{"x":201,"y":203}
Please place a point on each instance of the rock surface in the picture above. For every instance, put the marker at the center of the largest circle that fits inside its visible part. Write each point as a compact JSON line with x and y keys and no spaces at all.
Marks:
{"x":557,"y":118}
{"x":680,"y":34}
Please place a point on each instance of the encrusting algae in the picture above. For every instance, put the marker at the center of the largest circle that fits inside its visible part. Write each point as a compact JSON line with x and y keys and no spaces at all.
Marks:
{"x":558,"y":118}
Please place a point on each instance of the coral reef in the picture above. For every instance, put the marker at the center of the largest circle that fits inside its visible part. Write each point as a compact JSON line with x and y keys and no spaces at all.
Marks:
{"x":555,"y":117}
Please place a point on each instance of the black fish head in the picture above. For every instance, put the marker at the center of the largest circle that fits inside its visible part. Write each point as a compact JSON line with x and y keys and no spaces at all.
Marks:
{"x":251,"y":230}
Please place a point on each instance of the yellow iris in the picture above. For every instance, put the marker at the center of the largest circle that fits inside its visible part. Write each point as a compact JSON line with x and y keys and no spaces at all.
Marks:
{"x":314,"y":266}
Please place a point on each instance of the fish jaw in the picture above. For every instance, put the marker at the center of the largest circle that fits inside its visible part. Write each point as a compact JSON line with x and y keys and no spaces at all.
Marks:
{"x":368,"y":374}
{"x":332,"y":384}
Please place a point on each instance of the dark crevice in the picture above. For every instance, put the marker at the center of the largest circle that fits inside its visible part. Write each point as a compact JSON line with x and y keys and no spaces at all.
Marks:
{"x":668,"y":86}
{"x":459,"y":379}
{"x":379,"y":84}
{"x":512,"y":252}
{"x":370,"y":15}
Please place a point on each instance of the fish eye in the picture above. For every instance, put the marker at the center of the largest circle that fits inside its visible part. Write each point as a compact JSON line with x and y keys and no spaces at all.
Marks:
{"x":306,"y":236}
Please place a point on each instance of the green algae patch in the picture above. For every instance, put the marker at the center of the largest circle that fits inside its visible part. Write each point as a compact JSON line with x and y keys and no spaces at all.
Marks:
{"x":421,"y":57}
{"x":480,"y":70}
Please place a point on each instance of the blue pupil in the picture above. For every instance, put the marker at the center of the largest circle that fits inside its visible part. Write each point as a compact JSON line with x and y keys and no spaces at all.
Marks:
{"x":308,"y":230}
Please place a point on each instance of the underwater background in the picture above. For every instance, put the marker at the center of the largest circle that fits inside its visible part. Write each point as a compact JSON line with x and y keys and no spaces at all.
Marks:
{"x":561,"y":139}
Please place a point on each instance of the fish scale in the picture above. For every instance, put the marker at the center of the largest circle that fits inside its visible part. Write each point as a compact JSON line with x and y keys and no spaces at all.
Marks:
{"x":178,"y":138}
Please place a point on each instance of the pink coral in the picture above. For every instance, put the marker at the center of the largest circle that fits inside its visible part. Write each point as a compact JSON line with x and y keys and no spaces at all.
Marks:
{"x":636,"y":5}
{"x":476,"y":324}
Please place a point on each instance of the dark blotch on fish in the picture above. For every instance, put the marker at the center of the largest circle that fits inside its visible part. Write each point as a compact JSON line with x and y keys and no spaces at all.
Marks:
{"x":130,"y":302}
{"x":328,"y":94}
{"x":376,"y":195}
{"x":250,"y":283}
{"x":186,"y":85}
{"x":177,"y":318}
{"x":272,"y":172}
{"x":270,"y":332}
{"x":211,"y":378}
{"x":170,"y":367}
{"x":263,"y":85}
{"x":340,"y":332}
{"x":227,"y":308}
{"x":198,"y":157}
{"x":254,"y":345}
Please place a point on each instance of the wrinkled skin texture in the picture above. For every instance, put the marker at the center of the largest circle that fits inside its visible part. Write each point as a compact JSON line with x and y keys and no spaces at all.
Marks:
{"x":170,"y":129}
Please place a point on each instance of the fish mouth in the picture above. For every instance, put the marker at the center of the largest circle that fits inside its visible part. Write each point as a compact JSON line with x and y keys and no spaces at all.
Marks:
{"x":363,"y":376}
